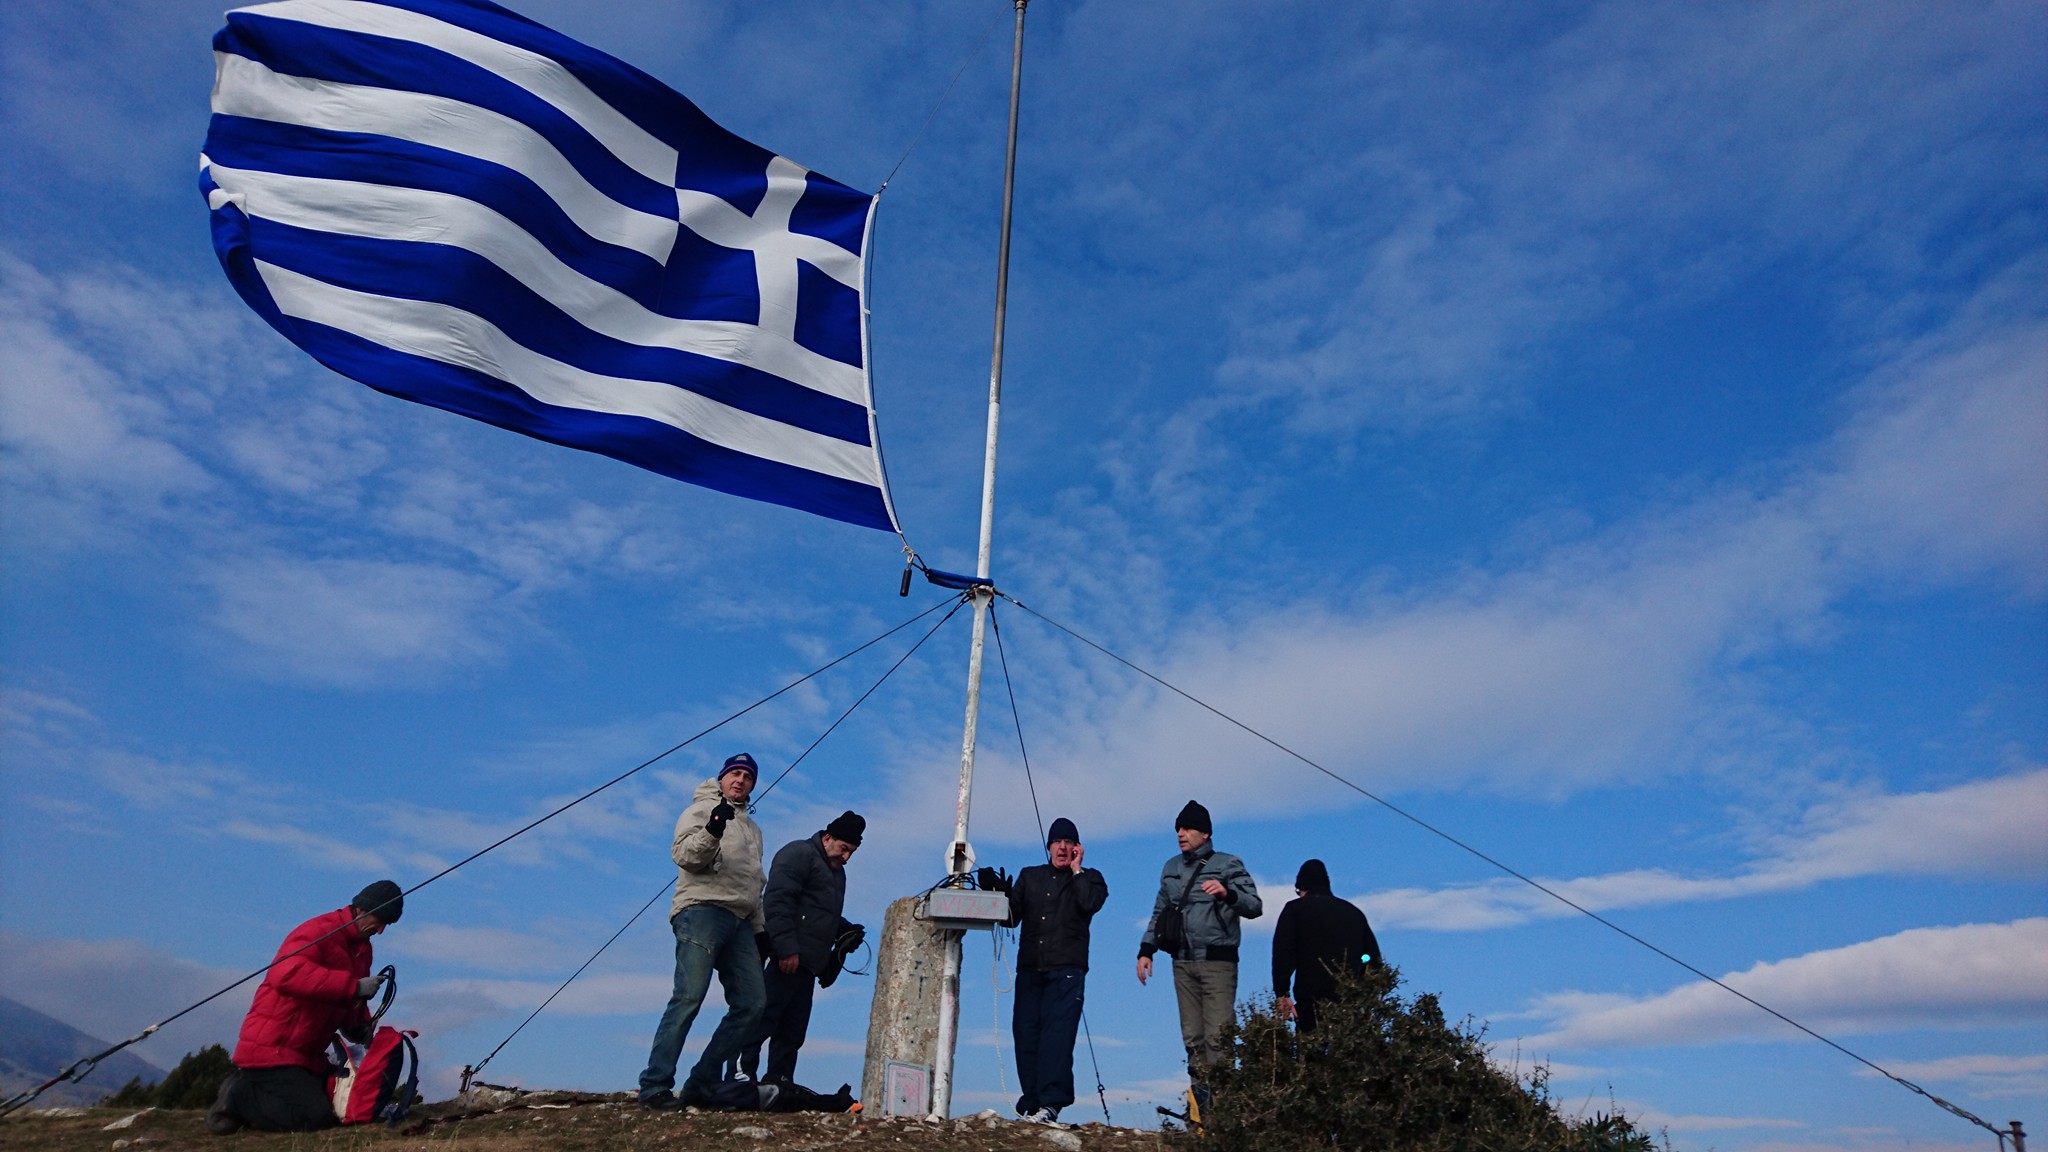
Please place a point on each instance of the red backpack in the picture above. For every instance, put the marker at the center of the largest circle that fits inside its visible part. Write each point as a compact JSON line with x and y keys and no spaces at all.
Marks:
{"x":377,"y":1085}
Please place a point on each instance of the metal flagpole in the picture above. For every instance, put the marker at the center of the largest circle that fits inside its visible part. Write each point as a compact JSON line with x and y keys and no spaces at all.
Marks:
{"x":959,"y":858}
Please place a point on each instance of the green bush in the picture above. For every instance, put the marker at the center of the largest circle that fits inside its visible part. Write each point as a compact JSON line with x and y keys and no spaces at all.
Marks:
{"x":192,"y":1084}
{"x":1381,"y":1075}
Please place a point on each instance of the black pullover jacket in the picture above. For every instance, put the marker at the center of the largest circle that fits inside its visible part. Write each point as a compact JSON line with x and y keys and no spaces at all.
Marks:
{"x":1051,"y":908}
{"x":1317,"y":935}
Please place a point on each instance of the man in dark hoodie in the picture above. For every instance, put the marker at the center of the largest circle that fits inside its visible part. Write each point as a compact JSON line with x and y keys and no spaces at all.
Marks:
{"x":1051,"y":905}
{"x":1318,"y":938}
{"x":805,"y":895}
{"x":1212,"y":892}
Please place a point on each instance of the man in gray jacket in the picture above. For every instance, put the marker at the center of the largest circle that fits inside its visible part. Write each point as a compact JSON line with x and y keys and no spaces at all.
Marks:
{"x":806,"y":893}
{"x":715,"y":914}
{"x":1212,"y":892}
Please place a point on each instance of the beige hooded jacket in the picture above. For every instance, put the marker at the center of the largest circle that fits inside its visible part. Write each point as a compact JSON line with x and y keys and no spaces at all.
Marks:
{"x":722,"y":871}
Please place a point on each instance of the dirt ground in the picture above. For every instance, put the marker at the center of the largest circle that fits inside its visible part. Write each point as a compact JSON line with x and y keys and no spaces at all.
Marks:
{"x":565,"y":1122}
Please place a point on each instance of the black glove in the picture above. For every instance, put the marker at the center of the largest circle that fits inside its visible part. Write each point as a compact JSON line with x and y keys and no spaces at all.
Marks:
{"x":764,"y":946}
{"x":719,"y":815}
{"x":992,"y":880}
{"x":853,"y":938}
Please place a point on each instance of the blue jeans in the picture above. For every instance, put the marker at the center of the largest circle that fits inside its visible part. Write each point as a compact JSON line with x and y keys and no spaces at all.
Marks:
{"x":1044,"y":1018}
{"x":708,"y":939}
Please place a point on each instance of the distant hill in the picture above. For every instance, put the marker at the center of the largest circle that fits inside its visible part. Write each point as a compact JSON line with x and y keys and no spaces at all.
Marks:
{"x":35,"y":1047}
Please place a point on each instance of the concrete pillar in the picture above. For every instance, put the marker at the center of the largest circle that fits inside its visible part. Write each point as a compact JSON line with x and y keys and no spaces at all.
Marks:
{"x":903,"y":1024}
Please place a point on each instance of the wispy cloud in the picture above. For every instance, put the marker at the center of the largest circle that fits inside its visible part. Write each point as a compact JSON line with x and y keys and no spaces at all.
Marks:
{"x":1610,"y":657}
{"x":1971,"y":975}
{"x":111,"y":989}
{"x":1983,"y":828}
{"x":150,"y":418}
{"x":1986,"y":1075}
{"x":354,"y":623}
{"x":62,"y":752}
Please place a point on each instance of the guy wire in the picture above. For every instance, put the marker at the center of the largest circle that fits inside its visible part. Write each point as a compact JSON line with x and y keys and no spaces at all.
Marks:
{"x":83,"y":1067}
{"x":1553,"y":894}
{"x":1101,"y":1092}
{"x":957,"y":604}
{"x":467,"y":1073}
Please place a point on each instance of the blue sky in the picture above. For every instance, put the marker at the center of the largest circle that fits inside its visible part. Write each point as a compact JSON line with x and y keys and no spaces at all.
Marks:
{"x":1615,"y":432}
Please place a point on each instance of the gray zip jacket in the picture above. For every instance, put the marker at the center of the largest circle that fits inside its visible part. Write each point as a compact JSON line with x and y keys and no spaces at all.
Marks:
{"x":1209,"y":923}
{"x":723,"y":872}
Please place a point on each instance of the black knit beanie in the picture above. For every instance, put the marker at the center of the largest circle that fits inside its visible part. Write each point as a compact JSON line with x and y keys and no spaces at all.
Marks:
{"x":384,"y":900}
{"x":1063,"y":829}
{"x":847,"y":827}
{"x":1194,"y":816}
{"x":1313,"y":877}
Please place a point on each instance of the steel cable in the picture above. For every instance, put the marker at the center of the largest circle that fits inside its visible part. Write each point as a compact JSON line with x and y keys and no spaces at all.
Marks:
{"x":82,"y":1068}
{"x":1537,"y":885}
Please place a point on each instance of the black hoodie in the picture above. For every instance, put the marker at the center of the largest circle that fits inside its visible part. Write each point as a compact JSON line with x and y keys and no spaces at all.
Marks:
{"x":1319,"y":935}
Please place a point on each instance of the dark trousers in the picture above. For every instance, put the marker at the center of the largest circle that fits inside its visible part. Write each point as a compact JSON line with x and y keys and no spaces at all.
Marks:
{"x":1304,"y":1014}
{"x":289,"y":1099}
{"x":1046,"y":1016}
{"x":784,"y":1023}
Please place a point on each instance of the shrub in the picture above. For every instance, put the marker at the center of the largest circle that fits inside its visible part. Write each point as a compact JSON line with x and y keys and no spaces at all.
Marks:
{"x":1381,"y":1075}
{"x":192,"y":1084}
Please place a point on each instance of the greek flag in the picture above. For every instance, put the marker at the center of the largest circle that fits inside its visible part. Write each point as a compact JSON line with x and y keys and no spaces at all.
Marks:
{"x":460,"y":207}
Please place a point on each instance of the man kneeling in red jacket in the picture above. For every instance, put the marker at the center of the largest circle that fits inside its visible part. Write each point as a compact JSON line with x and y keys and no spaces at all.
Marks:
{"x":318,"y":985}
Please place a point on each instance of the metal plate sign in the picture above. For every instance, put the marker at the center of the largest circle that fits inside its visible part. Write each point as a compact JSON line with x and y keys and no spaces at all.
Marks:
{"x":907,"y":1089}
{"x":966,"y":908}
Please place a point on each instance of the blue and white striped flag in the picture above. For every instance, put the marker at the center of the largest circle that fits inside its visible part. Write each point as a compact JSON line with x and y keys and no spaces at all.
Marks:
{"x":455,"y":205}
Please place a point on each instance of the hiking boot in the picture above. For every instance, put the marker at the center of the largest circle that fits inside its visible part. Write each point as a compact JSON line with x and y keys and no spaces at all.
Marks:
{"x":662,"y":1101}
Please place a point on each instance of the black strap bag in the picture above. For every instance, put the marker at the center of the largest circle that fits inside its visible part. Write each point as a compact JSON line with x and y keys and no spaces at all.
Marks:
{"x":1169,"y":930}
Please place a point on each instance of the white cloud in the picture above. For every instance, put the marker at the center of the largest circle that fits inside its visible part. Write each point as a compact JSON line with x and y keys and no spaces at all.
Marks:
{"x":113,"y":989}
{"x":1657,"y":148}
{"x":354,"y":623}
{"x":1983,"y":828}
{"x":73,"y":434}
{"x":498,"y":949}
{"x":1971,"y":975}
{"x":1613,"y":657}
{"x":68,"y":766}
{"x":139,"y":416}
{"x":1987,"y":1075}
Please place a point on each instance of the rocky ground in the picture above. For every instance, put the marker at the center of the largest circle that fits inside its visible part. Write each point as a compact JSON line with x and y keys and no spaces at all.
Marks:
{"x":570,"y":1122}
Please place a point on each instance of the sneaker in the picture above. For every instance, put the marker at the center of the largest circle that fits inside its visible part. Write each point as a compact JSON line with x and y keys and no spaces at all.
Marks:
{"x":1049,"y":1117}
{"x":662,"y":1101}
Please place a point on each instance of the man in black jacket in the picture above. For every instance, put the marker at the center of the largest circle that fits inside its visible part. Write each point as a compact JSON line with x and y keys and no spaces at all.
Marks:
{"x":1318,"y":938}
{"x":1051,"y":905}
{"x":802,"y":903}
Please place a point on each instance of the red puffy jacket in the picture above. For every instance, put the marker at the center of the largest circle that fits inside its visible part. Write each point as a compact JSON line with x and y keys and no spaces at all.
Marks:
{"x":304,"y":1000}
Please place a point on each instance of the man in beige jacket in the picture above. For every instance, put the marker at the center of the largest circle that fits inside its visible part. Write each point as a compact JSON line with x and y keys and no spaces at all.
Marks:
{"x":716,"y":914}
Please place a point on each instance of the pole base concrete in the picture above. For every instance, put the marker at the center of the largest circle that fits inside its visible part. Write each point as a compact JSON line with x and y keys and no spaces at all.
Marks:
{"x":903,"y":1025}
